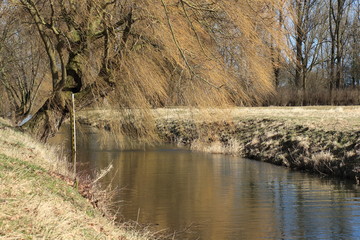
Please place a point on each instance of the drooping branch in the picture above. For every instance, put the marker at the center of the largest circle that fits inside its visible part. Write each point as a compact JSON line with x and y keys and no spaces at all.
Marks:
{"x":112,"y":27}
{"x":192,"y":72}
{"x":206,"y":8}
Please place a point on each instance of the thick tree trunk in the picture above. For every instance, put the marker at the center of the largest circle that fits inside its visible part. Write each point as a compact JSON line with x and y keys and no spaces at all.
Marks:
{"x":48,"y":119}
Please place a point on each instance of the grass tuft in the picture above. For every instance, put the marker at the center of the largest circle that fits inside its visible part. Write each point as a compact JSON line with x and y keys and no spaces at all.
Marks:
{"x":322,"y":157}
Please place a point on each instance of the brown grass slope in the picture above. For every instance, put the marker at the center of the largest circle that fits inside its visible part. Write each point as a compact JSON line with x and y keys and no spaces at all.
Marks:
{"x":36,"y":205}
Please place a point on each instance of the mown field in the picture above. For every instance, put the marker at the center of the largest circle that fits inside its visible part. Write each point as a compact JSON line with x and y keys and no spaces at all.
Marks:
{"x":344,"y":118}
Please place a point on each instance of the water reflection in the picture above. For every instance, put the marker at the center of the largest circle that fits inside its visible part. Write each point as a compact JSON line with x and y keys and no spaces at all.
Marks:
{"x":224,"y":197}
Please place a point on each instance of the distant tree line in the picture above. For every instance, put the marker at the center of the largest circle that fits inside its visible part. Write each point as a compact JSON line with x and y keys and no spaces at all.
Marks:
{"x":325,"y":68}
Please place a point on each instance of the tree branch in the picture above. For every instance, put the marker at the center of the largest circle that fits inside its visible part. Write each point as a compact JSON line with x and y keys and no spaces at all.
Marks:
{"x":181,"y":51}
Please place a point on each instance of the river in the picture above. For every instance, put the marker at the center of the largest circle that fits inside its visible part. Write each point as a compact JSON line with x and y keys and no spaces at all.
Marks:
{"x":212,"y":196}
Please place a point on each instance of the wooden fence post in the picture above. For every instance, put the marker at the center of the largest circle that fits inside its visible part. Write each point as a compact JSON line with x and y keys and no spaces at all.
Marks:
{"x":73,"y":136}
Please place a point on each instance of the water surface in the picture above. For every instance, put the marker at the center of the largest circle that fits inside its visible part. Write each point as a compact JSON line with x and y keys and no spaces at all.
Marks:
{"x":206,"y":196}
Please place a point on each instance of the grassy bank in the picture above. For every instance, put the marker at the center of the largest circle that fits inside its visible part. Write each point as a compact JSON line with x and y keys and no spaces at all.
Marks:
{"x":37,"y":200}
{"x":323,"y":140}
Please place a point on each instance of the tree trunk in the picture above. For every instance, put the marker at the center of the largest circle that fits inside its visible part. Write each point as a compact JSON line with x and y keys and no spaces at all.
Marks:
{"x":48,"y":119}
{"x":332,"y":54}
{"x":298,"y":61}
{"x":299,"y":43}
{"x":303,"y":87}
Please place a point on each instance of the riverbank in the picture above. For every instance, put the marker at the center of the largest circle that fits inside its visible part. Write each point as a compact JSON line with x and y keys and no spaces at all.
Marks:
{"x":322,"y":140}
{"x":38,"y":201}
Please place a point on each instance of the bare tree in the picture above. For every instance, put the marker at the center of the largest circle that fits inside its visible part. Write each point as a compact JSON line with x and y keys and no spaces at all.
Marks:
{"x":276,"y":53}
{"x":309,"y":36}
{"x":353,"y":59}
{"x":21,"y":71}
{"x":338,"y":21}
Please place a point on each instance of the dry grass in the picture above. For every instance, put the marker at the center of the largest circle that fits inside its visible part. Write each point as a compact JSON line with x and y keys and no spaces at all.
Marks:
{"x":324,"y":117}
{"x":303,"y":142}
{"x":36,"y":205}
{"x":15,"y":144}
{"x":322,"y":157}
{"x":233,"y":147}
{"x":340,"y":118}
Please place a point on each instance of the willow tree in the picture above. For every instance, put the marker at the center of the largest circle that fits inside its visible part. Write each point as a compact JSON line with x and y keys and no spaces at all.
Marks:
{"x":145,"y":53}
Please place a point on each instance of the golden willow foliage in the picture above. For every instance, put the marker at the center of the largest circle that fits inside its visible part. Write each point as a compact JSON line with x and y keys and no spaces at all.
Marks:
{"x":200,"y":54}
{"x":152,"y":53}
{"x":203,"y":53}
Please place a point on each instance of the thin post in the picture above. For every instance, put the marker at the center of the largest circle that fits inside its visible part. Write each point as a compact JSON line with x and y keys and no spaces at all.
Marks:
{"x":73,"y":136}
